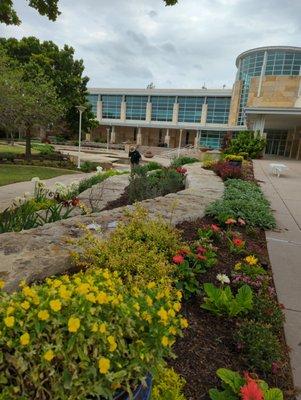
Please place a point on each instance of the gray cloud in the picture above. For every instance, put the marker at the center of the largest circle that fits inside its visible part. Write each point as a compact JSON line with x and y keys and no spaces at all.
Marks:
{"x":128,"y":43}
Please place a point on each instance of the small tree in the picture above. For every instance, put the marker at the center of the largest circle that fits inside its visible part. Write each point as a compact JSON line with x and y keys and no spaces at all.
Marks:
{"x":248,"y":142}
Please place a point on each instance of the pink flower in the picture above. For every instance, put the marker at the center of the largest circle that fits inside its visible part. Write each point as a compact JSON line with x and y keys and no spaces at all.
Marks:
{"x":201,"y":257}
{"x":201,"y":250}
{"x":238,"y":242}
{"x":215,"y":228}
{"x":230,"y":221}
{"x":241,"y":222}
{"x":178,"y":259}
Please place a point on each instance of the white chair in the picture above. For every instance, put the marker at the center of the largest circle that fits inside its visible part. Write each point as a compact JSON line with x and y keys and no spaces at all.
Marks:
{"x":277,"y":168}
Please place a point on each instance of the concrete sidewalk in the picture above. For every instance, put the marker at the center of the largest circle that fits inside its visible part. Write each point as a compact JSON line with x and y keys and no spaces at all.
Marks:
{"x":284,"y":246}
{"x":9,"y":192}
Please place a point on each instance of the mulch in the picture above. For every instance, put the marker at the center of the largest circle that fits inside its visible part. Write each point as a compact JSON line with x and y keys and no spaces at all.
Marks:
{"x":208,"y":344}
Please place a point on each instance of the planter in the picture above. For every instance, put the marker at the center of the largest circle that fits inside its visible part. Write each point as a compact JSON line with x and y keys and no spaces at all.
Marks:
{"x":235,"y":163}
{"x":141,"y":393}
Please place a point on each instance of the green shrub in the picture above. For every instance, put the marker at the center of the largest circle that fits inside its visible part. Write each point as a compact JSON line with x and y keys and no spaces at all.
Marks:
{"x":138,"y":250}
{"x":84,"y":335}
{"x":88,"y":166}
{"x":44,"y":149}
{"x":248,"y":142}
{"x":152,"y":165}
{"x":221,"y":301}
{"x":244,"y":200}
{"x":157,"y":183}
{"x":233,"y":157}
{"x":209,"y":164}
{"x":167,"y":385}
{"x":259,"y":345}
{"x":234,"y":385}
{"x":180,"y":161}
{"x":267,"y":311}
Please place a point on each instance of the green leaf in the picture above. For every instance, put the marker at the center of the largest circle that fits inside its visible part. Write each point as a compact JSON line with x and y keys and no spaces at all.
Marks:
{"x":273,"y":394}
{"x":215,"y":394}
{"x":231,"y":378}
{"x":244,"y":297}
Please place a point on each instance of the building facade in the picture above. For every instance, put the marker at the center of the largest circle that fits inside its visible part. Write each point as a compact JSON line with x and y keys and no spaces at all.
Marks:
{"x":266,"y":97}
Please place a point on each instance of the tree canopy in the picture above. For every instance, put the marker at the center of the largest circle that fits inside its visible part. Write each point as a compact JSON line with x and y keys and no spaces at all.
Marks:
{"x":48,"y":8}
{"x":60,"y":67}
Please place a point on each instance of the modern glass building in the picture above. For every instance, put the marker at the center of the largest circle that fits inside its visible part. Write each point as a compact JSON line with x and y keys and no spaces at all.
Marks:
{"x":266,"y":96}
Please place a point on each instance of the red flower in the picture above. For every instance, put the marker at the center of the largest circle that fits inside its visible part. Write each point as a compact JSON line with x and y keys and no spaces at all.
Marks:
{"x":75,"y":202}
{"x":251,"y":390}
{"x":238,"y":242}
{"x":201,"y":257}
{"x":178,"y":259}
{"x":215,"y":228}
{"x":201,"y":250}
{"x":181,"y":170}
{"x":230,"y":221}
{"x":183,"y":252}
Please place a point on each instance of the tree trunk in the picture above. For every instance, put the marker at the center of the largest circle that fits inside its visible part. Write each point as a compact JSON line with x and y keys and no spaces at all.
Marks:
{"x":28,"y":145}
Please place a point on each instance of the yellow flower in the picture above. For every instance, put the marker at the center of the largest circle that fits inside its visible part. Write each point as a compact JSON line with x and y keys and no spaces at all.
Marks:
{"x":237,"y":266}
{"x":9,"y":321}
{"x":25,"y":305}
{"x":184,"y":323}
{"x":171,"y":313}
{"x":172,"y":330}
{"x":104,"y":365}
{"x":83,"y":288}
{"x":160,"y":295}
{"x":10,"y":310}
{"x":94,"y":327}
{"x":49,"y":355}
{"x":28,"y":291}
{"x":102,"y":328}
{"x":102,"y":298}
{"x":25,"y":339}
{"x":146,"y":317}
{"x":151,"y":285}
{"x":136,"y":306}
{"x":91,"y":297}
{"x":177,"y":307}
{"x":179,"y":295}
{"x":165,"y":341}
{"x":2,"y":283}
{"x":73,"y":324}
{"x":149,"y":301}
{"x":43,"y":315}
{"x":36,"y":300}
{"x":251,"y":260}
{"x":55,"y":305}
{"x":106,"y":274}
{"x":112,"y":343}
{"x":56,"y":283}
{"x":64,"y":293}
{"x":163,"y":314}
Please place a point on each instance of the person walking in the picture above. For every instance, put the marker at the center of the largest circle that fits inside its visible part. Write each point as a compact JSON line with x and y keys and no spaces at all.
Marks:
{"x":135,"y":157}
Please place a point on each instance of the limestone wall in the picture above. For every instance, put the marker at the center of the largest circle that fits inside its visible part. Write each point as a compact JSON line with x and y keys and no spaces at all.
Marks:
{"x":276,"y":91}
{"x":37,"y":253}
{"x":234,"y":107}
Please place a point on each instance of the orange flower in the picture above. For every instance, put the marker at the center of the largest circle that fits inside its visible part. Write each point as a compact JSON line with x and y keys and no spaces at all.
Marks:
{"x":251,"y":390}
{"x":178,"y":259}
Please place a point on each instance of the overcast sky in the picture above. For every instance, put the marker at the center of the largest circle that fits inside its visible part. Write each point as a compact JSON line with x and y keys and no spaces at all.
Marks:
{"x":129,"y":43}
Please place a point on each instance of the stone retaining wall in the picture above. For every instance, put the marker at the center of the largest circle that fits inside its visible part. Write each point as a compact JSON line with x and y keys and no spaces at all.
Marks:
{"x":37,"y":253}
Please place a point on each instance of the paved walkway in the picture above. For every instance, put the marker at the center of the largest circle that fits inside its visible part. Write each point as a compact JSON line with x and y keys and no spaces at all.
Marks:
{"x":9,"y":192}
{"x":284,"y":245}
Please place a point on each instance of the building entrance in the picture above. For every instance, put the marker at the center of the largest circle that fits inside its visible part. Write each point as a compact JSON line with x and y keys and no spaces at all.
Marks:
{"x":276,"y":140}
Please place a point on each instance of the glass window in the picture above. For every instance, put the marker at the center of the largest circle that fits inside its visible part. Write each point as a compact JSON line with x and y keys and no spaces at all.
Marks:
{"x":136,"y":107}
{"x":218,"y":110}
{"x":92,"y":99}
{"x":190,"y":108}
{"x":111,"y":106}
{"x":162,"y":107}
{"x":212,"y":139}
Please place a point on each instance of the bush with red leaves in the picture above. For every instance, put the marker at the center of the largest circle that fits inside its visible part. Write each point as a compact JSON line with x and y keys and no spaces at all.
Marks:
{"x":225,"y":170}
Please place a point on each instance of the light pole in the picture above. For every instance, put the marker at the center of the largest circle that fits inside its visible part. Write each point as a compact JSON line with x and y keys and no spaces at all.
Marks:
{"x":81,"y":109}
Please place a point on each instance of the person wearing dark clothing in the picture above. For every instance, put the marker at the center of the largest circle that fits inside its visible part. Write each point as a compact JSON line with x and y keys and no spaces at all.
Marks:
{"x":135,"y":157}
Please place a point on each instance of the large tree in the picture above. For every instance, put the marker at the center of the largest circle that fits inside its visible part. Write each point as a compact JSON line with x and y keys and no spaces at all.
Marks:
{"x":26,"y":103}
{"x":49,"y":8}
{"x":61,"y":68}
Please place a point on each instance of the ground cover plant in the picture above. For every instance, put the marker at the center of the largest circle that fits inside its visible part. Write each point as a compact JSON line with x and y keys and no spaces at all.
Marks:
{"x":182,"y":160}
{"x":243,"y":200}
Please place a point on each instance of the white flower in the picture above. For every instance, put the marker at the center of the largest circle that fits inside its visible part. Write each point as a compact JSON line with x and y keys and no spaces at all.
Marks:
{"x":35,"y":179}
{"x":27,"y":195}
{"x":99,"y":169}
{"x":223,"y":278}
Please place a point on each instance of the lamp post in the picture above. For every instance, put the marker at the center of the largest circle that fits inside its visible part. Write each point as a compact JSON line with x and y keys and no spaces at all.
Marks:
{"x":81,"y":109}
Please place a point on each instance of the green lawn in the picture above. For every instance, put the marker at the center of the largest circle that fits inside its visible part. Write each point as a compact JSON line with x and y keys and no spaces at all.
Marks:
{"x":16,"y":149}
{"x":20,"y":173}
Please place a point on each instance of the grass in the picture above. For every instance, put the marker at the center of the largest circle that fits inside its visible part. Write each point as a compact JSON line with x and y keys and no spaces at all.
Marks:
{"x":20,"y":173}
{"x":16,"y":149}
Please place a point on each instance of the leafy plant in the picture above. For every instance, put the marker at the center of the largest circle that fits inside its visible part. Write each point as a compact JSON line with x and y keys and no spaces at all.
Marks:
{"x":221,"y":301}
{"x":260,"y":346}
{"x":180,"y":161}
{"x":227,"y":171}
{"x":84,"y":335}
{"x":85,"y":184}
{"x":167,"y":385}
{"x":234,"y":157}
{"x":44,"y":149}
{"x":235,"y":386}
{"x":267,"y":311}
{"x":243,"y":200}
{"x":249,"y":142}
{"x":88,"y":166}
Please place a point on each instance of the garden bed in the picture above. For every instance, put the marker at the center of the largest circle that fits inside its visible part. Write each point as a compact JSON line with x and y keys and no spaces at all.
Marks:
{"x":209,"y":342}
